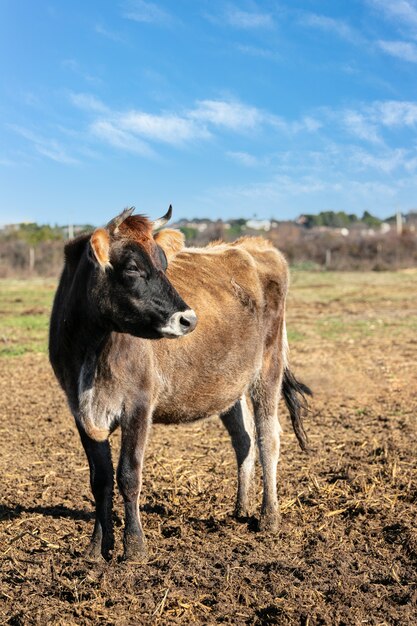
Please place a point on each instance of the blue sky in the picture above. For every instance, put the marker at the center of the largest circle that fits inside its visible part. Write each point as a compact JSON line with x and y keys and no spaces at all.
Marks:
{"x":224,"y":109}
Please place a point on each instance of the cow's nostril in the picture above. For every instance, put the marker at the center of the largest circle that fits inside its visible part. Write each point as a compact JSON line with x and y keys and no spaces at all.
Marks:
{"x":184,"y":321}
{"x":188,"y":320}
{"x":180,"y":323}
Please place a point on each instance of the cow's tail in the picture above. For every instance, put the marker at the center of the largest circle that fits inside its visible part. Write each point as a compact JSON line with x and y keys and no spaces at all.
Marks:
{"x":295,"y":395}
{"x":295,"y":398}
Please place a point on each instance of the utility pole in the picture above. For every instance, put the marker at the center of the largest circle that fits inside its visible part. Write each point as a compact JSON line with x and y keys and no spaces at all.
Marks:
{"x":328,"y":260}
{"x":399,"y":223}
{"x":31,"y":259}
{"x":70,"y":231}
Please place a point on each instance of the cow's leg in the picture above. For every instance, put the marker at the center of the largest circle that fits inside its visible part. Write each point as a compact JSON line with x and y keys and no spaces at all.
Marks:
{"x":268,"y":429}
{"x":240,"y":426}
{"x":129,"y":479}
{"x":101,"y":480}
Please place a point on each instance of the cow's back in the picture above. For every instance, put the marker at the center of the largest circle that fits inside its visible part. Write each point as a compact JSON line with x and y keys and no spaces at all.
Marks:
{"x":273,"y":274}
{"x":228,"y":286}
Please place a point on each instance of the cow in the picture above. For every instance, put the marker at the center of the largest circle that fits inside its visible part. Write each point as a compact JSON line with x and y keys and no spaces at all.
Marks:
{"x":118,"y":305}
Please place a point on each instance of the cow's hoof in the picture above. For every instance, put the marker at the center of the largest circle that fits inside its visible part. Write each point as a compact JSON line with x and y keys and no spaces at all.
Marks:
{"x":99,"y":549}
{"x":270,"y":522}
{"x":135,"y":550}
{"x":242,"y":513}
{"x":93,"y":552}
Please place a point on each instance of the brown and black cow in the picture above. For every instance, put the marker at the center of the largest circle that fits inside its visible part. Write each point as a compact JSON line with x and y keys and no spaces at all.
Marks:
{"x":121,"y":299}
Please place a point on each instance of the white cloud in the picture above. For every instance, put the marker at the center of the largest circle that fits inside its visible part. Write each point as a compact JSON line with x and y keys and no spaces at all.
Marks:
{"x":368,"y":121}
{"x":280,"y":187}
{"x":147,"y":12}
{"x":306,"y":193}
{"x":395,"y":113}
{"x":306,"y":124}
{"x":248,"y":20}
{"x":244,"y":158}
{"x":241,"y":117}
{"x":108,"y":132}
{"x":109,"y":34}
{"x":411,"y":164}
{"x":386,"y":162}
{"x":310,"y":124}
{"x":134,"y":129}
{"x":167,"y":128}
{"x":175,"y":129}
{"x":402,"y":11}
{"x":359,"y":125}
{"x":233,"y":115}
{"x":334,"y":158}
{"x":329,"y":24}
{"x":50,"y":148}
{"x":400,"y":49}
{"x":138,"y":131}
{"x":88,"y":102}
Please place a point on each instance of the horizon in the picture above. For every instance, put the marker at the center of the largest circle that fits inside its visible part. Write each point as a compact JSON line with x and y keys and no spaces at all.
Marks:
{"x":174,"y":220}
{"x":227,"y":110}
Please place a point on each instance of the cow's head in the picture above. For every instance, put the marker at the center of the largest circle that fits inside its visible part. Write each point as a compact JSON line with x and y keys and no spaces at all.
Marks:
{"x":129,"y":288}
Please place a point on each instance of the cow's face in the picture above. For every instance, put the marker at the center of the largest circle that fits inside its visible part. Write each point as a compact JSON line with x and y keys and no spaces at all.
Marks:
{"x":129,"y":288}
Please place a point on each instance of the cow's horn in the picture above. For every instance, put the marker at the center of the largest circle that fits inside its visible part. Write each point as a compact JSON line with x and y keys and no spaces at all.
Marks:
{"x":162,"y":220}
{"x":113,"y":225}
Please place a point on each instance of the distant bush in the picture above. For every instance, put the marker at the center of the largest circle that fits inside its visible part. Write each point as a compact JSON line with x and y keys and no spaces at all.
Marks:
{"x":38,"y":250}
{"x":33,"y":234}
{"x":189,"y":233}
{"x":339,"y":219}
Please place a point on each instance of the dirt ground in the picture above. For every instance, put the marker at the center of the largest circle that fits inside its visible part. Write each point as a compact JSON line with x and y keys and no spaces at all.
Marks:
{"x":347,"y":549}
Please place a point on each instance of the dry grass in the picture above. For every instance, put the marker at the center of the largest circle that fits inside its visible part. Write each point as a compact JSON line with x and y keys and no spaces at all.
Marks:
{"x":347,"y":549}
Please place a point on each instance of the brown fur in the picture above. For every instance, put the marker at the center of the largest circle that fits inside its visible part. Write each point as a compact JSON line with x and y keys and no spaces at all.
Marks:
{"x":139,"y":229}
{"x":171,"y":241}
{"x":232,"y":289}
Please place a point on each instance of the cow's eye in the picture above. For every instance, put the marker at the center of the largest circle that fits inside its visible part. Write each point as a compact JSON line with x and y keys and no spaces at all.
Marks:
{"x":132,"y":268}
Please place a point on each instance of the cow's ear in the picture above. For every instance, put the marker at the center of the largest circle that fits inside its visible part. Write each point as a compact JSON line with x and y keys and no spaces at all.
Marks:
{"x":171,"y":241}
{"x":100,"y":247}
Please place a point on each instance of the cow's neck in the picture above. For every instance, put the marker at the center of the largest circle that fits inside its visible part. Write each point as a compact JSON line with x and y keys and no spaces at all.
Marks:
{"x":83,"y":335}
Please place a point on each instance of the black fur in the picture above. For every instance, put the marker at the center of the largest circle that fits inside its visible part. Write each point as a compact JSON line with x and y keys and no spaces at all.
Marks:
{"x":295,"y":398}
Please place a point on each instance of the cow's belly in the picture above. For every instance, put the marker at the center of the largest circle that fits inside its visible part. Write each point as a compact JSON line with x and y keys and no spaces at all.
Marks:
{"x":177,"y":418}
{"x":191,"y":391}
{"x":190,"y":408}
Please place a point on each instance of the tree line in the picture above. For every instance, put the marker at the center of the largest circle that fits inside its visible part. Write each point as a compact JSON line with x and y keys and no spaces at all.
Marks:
{"x":329,"y":239}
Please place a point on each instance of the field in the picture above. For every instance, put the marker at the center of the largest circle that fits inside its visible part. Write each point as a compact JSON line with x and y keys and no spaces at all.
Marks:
{"x":347,"y":549}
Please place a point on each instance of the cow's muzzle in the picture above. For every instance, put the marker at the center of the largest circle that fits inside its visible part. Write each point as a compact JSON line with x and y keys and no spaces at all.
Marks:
{"x":179,"y":324}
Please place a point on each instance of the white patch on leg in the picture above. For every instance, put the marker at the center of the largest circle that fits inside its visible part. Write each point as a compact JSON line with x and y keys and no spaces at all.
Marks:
{"x":269,"y":439}
{"x":98,"y":408}
{"x":249,"y":423}
{"x":247,"y":466}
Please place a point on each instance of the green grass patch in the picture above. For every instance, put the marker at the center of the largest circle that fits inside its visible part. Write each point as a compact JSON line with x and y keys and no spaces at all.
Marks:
{"x":369,"y":287}
{"x":24,"y":316}
{"x":330,"y":306}
{"x":336,"y":327}
{"x":295,"y":335}
{"x":343,"y":306}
